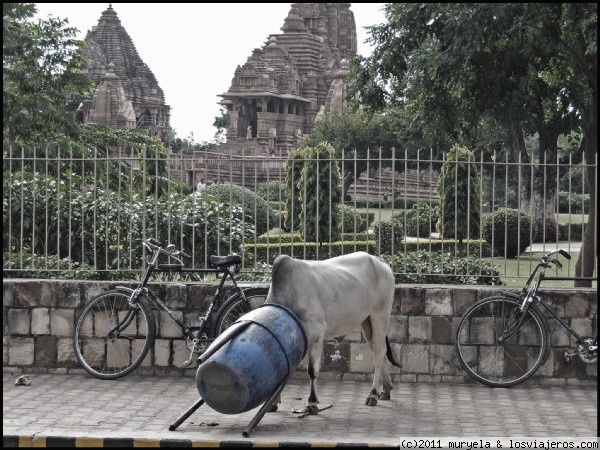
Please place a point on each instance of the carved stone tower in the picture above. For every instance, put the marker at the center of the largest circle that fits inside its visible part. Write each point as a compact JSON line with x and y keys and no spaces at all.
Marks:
{"x":127,"y":93}
{"x":277,"y":94}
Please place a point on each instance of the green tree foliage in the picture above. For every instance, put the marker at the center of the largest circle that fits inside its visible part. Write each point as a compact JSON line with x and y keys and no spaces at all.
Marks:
{"x":460,"y":193}
{"x":293,"y":172}
{"x":360,"y":140}
{"x":320,"y":194}
{"x":257,"y":210}
{"x":102,"y":228}
{"x":40,"y":74}
{"x":508,"y":231}
{"x":530,"y":67}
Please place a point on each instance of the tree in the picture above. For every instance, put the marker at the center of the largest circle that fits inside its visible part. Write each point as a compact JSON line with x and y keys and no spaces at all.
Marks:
{"x":459,"y":191}
{"x":40,"y":74}
{"x":530,"y":66}
{"x":293,"y":206}
{"x":320,"y":194}
{"x":365,"y":138}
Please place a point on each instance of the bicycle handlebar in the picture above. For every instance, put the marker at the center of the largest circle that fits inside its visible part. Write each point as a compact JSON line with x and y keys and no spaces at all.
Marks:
{"x":155,"y":245}
{"x":546,"y":260}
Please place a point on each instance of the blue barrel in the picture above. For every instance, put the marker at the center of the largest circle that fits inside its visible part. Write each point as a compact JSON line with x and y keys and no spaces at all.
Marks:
{"x":242,"y":368}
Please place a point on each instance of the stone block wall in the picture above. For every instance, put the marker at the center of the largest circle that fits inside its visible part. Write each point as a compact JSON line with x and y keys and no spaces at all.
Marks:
{"x":39,"y":317}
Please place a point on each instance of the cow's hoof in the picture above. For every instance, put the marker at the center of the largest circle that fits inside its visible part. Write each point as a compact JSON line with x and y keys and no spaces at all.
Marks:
{"x":371,"y":400}
{"x":385,"y":396}
{"x":311,"y":410}
{"x":273,"y":408}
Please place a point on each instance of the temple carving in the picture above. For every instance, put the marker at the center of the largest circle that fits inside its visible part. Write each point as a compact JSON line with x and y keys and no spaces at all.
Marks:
{"x":281,"y":89}
{"x":127,"y":94}
{"x":275,"y":97}
{"x":278,"y":94}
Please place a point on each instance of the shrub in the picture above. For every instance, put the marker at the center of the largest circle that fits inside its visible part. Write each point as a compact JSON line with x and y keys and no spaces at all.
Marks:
{"x":52,"y":267}
{"x":351,"y":220}
{"x":320,"y":194}
{"x":551,"y":233}
{"x":273,"y":191}
{"x":442,"y":268}
{"x":460,"y":193}
{"x":390,"y":233}
{"x":421,"y":220}
{"x":257,"y":210}
{"x":571,"y":231}
{"x":508,"y":231}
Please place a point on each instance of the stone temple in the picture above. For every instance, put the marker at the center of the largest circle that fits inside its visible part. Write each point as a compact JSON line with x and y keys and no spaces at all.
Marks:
{"x":278,"y":94}
{"x":275,"y":96}
{"x":296,"y":75}
{"x":127,"y":94}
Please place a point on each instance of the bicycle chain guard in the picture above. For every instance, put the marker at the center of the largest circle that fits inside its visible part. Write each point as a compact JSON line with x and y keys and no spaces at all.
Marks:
{"x":587,"y":356}
{"x":197,"y":347}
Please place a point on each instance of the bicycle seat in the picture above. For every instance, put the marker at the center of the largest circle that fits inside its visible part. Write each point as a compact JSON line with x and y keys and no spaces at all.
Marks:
{"x":170,"y":267}
{"x":228,"y":260}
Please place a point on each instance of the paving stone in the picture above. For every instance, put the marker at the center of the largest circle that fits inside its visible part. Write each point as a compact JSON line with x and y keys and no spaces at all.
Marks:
{"x":73,"y":406}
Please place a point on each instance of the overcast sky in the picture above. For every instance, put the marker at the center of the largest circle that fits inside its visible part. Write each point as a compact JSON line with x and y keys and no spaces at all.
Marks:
{"x":194,"y":49}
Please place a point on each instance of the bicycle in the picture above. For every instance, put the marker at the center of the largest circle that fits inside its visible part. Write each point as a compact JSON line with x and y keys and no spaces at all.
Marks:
{"x":501,"y":341}
{"x":116,"y":329}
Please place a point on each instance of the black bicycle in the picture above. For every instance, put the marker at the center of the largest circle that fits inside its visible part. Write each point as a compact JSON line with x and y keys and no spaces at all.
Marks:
{"x":116,"y":329}
{"x":502,"y":341}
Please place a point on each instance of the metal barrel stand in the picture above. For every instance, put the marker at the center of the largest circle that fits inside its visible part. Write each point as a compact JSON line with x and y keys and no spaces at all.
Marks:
{"x":253,"y":423}
{"x":185,"y":415}
{"x":263,"y":348}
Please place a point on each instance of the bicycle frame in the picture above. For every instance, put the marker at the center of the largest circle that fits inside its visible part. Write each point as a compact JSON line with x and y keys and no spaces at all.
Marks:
{"x":153,"y":267}
{"x":530,"y":291}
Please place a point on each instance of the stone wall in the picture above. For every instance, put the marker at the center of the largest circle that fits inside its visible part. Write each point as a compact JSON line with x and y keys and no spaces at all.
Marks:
{"x":39,"y":317}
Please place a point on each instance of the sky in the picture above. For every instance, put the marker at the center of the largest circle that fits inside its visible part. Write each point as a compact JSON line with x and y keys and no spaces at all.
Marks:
{"x":194,"y":49}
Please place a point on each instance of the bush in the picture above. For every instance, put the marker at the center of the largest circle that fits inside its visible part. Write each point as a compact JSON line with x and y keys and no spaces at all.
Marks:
{"x":351,"y":220}
{"x":257,"y":210}
{"x":571,"y":231}
{"x":273,"y":191}
{"x":459,"y":191}
{"x":508,"y":231}
{"x":266,"y":253}
{"x":442,"y":268}
{"x":421,"y":220}
{"x":551,"y":233}
{"x":390,"y":233}
{"x":53,"y":267}
{"x":573,"y":203}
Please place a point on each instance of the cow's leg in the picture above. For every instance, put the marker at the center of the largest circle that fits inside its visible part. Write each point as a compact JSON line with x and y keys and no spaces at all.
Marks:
{"x":314,"y":364}
{"x":387,"y":382}
{"x":374,"y":330}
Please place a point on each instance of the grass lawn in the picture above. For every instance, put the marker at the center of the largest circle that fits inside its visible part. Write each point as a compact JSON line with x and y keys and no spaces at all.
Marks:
{"x":514,"y":272}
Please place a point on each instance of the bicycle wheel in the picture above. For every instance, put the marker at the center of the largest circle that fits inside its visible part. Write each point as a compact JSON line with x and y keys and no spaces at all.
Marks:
{"x":111,"y":337}
{"x":235,"y":307}
{"x":498,"y":345}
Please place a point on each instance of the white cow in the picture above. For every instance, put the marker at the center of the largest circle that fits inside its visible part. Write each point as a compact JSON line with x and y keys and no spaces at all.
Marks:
{"x":333,"y":298}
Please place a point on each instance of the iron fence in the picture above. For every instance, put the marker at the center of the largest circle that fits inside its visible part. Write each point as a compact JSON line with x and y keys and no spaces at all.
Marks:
{"x":78,"y":216}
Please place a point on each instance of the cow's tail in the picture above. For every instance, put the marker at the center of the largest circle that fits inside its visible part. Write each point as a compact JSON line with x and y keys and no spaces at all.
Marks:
{"x":390,"y":354}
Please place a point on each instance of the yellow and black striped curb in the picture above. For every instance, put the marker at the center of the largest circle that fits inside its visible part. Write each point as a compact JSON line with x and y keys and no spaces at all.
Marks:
{"x":85,"y":441}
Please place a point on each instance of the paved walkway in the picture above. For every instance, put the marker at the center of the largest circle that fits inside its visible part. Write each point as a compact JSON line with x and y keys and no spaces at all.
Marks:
{"x":67,"y":410}
{"x":545,"y":247}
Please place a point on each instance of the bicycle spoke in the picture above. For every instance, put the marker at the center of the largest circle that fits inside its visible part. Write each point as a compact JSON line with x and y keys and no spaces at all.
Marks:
{"x":499,"y":345}
{"x":111,"y":336}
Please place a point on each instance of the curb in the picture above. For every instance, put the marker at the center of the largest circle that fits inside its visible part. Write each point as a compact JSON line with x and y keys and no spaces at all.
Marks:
{"x":12,"y":441}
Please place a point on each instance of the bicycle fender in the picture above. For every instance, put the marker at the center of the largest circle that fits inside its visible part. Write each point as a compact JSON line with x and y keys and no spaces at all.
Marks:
{"x":511,"y":294}
{"x":125,"y":290}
